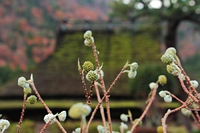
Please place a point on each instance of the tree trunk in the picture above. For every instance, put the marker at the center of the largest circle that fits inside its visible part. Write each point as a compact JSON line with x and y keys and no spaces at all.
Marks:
{"x":170,"y":37}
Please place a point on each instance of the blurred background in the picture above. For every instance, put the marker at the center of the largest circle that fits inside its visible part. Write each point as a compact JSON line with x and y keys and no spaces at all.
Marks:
{"x":46,"y":38}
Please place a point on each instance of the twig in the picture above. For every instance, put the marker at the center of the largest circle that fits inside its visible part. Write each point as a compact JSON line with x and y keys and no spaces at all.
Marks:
{"x":103,"y":87}
{"x":45,"y":106}
{"x":101,"y":106}
{"x":83,"y":80}
{"x":146,"y":109}
{"x":103,"y":98}
{"x":22,"y":114}
{"x":186,"y":91}
{"x":163,"y":120}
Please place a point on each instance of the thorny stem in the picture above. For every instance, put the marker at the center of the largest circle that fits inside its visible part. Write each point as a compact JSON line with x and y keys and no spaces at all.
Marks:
{"x":103,"y":87}
{"x":45,"y":106}
{"x":101,"y":107}
{"x":105,"y":94}
{"x":146,"y":109}
{"x":22,"y":114}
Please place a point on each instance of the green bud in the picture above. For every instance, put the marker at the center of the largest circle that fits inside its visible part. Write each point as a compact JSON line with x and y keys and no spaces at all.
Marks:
{"x":92,"y":76}
{"x":87,"y":66}
{"x":162,"y":79}
{"x":32,"y":99}
{"x":171,"y":50}
{"x":173,"y":69}
{"x":27,"y":90}
{"x":167,"y":59}
{"x":136,"y":120}
{"x":186,"y":112}
{"x":159,"y":129}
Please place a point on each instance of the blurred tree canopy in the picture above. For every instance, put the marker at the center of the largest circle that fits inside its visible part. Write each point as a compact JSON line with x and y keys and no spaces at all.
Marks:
{"x":157,"y":12}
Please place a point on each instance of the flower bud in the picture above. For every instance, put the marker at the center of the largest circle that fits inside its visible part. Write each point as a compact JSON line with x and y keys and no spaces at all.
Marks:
{"x":75,"y":111}
{"x":123,"y":126}
{"x":22,"y":82}
{"x":124,"y":117}
{"x":162,"y":79}
{"x":27,"y":90}
{"x":186,"y":112}
{"x":134,"y":66}
{"x":87,"y":66}
{"x":152,"y":85}
{"x":136,"y":120}
{"x":132,"y":74}
{"x":50,"y":117}
{"x":162,"y":94}
{"x":92,"y":76}
{"x":78,"y":130}
{"x":62,"y":116}
{"x":86,"y":110}
{"x":32,"y":99}
{"x":167,"y":59}
{"x":194,"y":83}
{"x":159,"y":129}
{"x":87,"y":34}
{"x":4,"y":124}
{"x":171,"y":50}
{"x":168,"y":99}
{"x":173,"y":69}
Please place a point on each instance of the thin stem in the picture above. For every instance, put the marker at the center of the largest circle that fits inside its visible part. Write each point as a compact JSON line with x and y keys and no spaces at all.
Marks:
{"x":22,"y":114}
{"x":186,"y":90}
{"x":101,"y":106}
{"x":146,"y":109}
{"x":45,"y":106}
{"x":187,"y":79}
{"x":195,"y":120}
{"x":103,"y":98}
{"x":103,"y":87}
{"x":163,"y":120}
{"x":46,"y":125}
{"x":82,"y":79}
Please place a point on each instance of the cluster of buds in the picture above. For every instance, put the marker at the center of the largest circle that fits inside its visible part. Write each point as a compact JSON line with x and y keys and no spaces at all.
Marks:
{"x":133,"y":70}
{"x":22,"y":82}
{"x":92,"y":75}
{"x":169,"y":58}
{"x":89,"y":40}
{"x":167,"y":98}
{"x":51,"y":118}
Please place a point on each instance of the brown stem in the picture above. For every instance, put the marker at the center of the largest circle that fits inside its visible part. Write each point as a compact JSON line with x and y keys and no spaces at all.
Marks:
{"x":146,"y":109}
{"x":186,"y":90}
{"x":103,"y":98}
{"x":163,"y":120}
{"x":46,"y":125}
{"x":103,"y":87}
{"x":187,"y":79}
{"x":83,"y":80}
{"x":22,"y":114}
{"x":101,"y":106}
{"x":45,"y":106}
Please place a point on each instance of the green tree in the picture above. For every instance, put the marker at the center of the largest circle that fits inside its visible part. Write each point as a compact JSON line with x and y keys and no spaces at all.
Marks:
{"x":170,"y":12}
